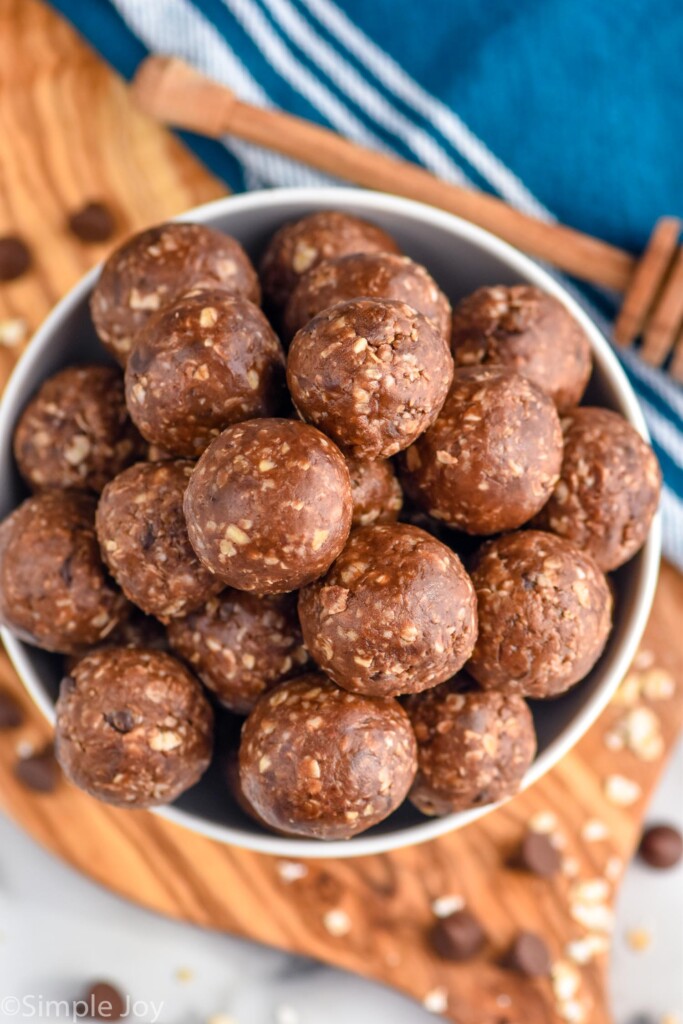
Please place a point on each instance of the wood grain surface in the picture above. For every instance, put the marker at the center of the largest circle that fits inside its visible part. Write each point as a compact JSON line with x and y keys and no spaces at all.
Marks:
{"x":69,"y":135}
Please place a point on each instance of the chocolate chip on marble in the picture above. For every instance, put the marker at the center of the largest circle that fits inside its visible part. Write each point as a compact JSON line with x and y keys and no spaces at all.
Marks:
{"x":528,"y":955}
{"x":15,"y":257}
{"x":105,"y":1002}
{"x":39,"y":772}
{"x":94,"y":222}
{"x":458,"y":936}
{"x":661,"y":846}
{"x":538,"y":855}
{"x":11,"y":714}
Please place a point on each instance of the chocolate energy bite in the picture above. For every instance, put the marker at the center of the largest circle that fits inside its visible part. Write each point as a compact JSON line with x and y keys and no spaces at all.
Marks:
{"x":380,"y":275}
{"x":318,"y":761}
{"x":54,"y":592}
{"x":372,"y":374}
{"x":133,"y":727}
{"x":241,"y":645}
{"x":493,"y":456}
{"x":201,"y":363}
{"x":395,"y":614}
{"x":545,"y":612}
{"x":528,"y":331}
{"x":268,"y":507}
{"x":473,"y":747}
{"x":143,"y":538}
{"x":75,"y":433}
{"x":608,"y":490}
{"x":300,"y":245}
{"x":376,"y":493}
{"x":156,"y":266}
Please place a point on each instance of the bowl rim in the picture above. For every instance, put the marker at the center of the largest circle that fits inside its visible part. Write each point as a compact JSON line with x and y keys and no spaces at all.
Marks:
{"x":365,"y":203}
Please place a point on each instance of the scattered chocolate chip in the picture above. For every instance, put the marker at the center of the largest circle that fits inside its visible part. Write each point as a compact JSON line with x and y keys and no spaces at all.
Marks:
{"x":661,"y":846}
{"x":39,"y":772}
{"x":458,"y":936}
{"x":105,"y":1002}
{"x":538,"y":855}
{"x":15,"y":257}
{"x":94,"y":222}
{"x":11,"y":714}
{"x":529,"y":955}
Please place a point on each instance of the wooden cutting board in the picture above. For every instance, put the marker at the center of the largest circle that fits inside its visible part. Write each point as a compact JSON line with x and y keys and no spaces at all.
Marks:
{"x":70,"y":135}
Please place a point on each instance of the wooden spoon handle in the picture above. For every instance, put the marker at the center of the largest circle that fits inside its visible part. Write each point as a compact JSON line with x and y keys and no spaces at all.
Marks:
{"x":176,"y":94}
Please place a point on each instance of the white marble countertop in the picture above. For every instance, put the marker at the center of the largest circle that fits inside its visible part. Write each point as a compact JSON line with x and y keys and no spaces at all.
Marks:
{"x":59,"y":932}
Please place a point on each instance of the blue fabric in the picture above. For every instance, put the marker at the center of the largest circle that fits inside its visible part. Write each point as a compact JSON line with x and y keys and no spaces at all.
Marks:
{"x":568,"y":109}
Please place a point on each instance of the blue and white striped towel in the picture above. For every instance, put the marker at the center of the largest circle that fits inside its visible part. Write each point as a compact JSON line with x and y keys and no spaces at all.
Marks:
{"x":581,"y":102}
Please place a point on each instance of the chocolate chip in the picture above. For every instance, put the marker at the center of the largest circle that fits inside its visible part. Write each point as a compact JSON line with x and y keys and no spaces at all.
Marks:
{"x":94,"y":222}
{"x":39,"y":772}
{"x":11,"y":714}
{"x":538,"y":855}
{"x":458,"y":936}
{"x":661,"y":846}
{"x":528,"y":955}
{"x":105,"y":1002}
{"x":15,"y":257}
{"x":122,"y":721}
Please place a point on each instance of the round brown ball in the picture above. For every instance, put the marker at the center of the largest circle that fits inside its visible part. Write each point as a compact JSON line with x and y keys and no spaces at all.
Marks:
{"x":268,"y":507}
{"x":203,"y":362}
{"x":318,"y":761}
{"x":492,"y":458}
{"x":75,"y":433}
{"x":54,"y":592}
{"x":133,"y":727}
{"x":376,"y":493}
{"x":379,"y":275}
{"x":241,"y":645}
{"x":396,"y":613}
{"x":300,"y":245}
{"x":473,"y":747}
{"x":609,"y":487}
{"x":143,"y":538}
{"x":545,"y":613}
{"x":528,"y":331}
{"x":372,"y":374}
{"x":154,"y":267}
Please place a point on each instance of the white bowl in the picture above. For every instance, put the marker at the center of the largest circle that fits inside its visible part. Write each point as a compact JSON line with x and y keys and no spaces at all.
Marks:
{"x":461,"y":257}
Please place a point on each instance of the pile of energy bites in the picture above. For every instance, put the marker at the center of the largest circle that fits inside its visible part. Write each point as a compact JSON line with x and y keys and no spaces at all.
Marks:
{"x":265,"y":513}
